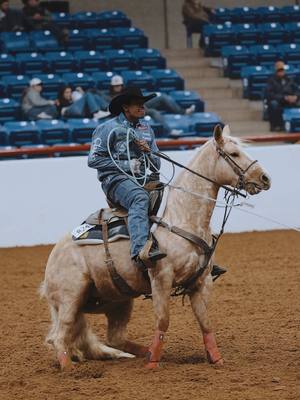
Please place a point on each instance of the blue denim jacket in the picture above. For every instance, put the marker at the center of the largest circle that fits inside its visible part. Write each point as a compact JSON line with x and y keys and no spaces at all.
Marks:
{"x":99,"y":157}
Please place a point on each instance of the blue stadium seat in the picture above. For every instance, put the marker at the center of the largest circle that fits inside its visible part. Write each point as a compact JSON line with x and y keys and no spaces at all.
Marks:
{"x":140,"y":79}
{"x":254,"y":81}
{"x":77,"y":40}
{"x":44,"y":40}
{"x":31,"y":63}
{"x":234,"y":58}
{"x":167,"y":80}
{"x":243,"y":15}
{"x":119,"y":60}
{"x":51,"y":84}
{"x":15,"y":85}
{"x":180,"y":122}
{"x":61,"y":19}
{"x":81,"y":130}
{"x":8,"y":64}
{"x":84,"y":19}
{"x":291,"y":119}
{"x":264,"y":54}
{"x":223,"y":15}
{"x":53,"y":131}
{"x":3,"y":137}
{"x":293,"y":32}
{"x":269,"y":14}
{"x":113,"y":19}
{"x":90,"y":61}
{"x":74,"y":79}
{"x":14,"y":42}
{"x":291,"y":13}
{"x":22,"y":133}
{"x":131,"y":38}
{"x":148,"y":59}
{"x":186,"y":98}
{"x":273,"y":33}
{"x":204,"y":123}
{"x":217,"y":36}
{"x":3,"y":91}
{"x":247,"y":34}
{"x":290,"y":52}
{"x":101,"y":39}
{"x":157,"y":127}
{"x":102,"y":79}
{"x":60,"y":61}
{"x":9,"y":110}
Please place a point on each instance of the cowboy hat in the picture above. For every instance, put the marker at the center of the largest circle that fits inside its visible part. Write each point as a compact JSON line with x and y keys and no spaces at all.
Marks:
{"x":128,"y":94}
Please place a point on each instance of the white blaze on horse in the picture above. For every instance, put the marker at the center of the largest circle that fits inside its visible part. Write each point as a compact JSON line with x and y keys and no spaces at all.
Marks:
{"x":75,"y":273}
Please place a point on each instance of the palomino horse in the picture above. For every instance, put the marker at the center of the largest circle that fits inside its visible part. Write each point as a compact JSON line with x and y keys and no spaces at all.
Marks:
{"x":73,"y":270}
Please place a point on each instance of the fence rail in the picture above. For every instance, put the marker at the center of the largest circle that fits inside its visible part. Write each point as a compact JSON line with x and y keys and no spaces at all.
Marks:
{"x":169,"y":144}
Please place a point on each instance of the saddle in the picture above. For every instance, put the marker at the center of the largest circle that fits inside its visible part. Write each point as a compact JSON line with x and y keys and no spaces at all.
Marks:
{"x":115,"y":217}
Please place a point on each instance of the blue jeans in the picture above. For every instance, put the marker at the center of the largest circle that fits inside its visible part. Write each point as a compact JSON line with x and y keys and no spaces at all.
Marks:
{"x":136,"y":200}
{"x":166,"y":103}
{"x":86,"y":106}
{"x":33,"y":113}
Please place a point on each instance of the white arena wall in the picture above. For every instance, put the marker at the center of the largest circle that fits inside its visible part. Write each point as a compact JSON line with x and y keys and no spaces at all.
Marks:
{"x":42,"y":199}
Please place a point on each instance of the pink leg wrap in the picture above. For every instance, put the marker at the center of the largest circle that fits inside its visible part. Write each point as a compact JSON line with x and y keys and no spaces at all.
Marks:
{"x":134,"y":348}
{"x":155,"y":350}
{"x":64,"y":361}
{"x":213,"y":354}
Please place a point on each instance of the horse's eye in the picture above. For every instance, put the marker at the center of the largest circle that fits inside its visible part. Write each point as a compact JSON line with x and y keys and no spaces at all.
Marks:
{"x":234,"y":154}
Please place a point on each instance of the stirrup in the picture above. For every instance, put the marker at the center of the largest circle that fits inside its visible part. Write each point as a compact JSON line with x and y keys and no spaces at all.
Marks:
{"x":217,"y":272}
{"x":149,"y":254}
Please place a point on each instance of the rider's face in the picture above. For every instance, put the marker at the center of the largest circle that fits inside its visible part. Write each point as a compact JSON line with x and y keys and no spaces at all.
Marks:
{"x":135,"y":109}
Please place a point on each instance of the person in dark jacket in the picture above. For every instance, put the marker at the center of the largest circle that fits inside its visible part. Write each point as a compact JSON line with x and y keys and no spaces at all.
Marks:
{"x":10,"y":19}
{"x":195,"y":16}
{"x":281,"y":92}
{"x":122,"y":176}
{"x":37,"y":17}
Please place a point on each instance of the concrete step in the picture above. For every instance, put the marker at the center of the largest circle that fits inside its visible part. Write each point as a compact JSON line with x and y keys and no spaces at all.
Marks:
{"x":214,"y":93}
{"x":240,"y":115}
{"x":207,"y":83}
{"x":233,"y":104}
{"x":171,"y":53}
{"x":244,"y":128}
{"x":196,"y":72}
{"x":188,"y":62}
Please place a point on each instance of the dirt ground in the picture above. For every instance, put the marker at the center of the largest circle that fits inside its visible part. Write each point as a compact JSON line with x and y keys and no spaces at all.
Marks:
{"x":255,"y":308}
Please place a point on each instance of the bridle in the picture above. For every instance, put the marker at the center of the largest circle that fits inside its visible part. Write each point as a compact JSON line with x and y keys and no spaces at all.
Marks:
{"x":241,"y":173}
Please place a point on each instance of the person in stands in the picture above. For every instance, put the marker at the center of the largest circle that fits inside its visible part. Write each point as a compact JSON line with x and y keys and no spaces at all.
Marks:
{"x":11,"y":20}
{"x":79,"y":104}
{"x":154,"y":107}
{"x":281,"y":92}
{"x":34,"y":106}
{"x":37,"y":17}
{"x":195,"y":16}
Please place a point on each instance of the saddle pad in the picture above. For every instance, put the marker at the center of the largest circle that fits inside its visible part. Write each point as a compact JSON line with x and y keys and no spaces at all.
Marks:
{"x":92,"y":234}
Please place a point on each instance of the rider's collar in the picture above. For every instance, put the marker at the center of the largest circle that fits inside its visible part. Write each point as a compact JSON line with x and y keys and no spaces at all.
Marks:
{"x":124,"y":121}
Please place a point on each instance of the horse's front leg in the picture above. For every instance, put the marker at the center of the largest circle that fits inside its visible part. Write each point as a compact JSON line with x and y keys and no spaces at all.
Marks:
{"x":161,"y":284}
{"x":199,"y":301}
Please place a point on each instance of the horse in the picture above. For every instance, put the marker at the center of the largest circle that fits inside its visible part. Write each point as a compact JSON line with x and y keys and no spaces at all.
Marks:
{"x":73,"y":271}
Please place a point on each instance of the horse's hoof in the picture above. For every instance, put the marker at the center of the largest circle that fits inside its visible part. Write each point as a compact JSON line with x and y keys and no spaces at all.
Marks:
{"x":219,"y":363}
{"x":65,"y":362}
{"x":152,"y":365}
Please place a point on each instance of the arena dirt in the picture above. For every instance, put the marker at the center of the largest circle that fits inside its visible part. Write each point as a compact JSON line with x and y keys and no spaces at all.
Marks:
{"x":255,"y":309}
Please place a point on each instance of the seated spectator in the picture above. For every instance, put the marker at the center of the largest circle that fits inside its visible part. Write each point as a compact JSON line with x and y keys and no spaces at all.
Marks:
{"x":80,"y":104}
{"x":37,"y":17}
{"x":10,"y":19}
{"x":281,"y":92}
{"x":34,"y":106}
{"x":195,"y":16}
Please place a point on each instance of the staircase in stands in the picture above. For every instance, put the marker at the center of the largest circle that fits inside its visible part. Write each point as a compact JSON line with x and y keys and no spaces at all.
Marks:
{"x":221,"y":95}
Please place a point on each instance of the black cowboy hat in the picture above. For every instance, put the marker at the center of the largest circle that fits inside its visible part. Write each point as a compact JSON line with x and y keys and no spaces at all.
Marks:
{"x":128,"y":94}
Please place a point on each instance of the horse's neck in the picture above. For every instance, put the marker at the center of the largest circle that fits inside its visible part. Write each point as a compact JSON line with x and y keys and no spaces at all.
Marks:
{"x":189,"y":211}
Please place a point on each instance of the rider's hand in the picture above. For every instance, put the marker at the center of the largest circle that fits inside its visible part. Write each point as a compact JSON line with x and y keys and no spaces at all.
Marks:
{"x":142,"y":145}
{"x":135,"y":166}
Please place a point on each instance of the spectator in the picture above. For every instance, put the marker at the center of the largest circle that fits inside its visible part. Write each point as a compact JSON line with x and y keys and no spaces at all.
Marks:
{"x":34,"y":106}
{"x":10,"y":19}
{"x":37,"y":17}
{"x":195,"y":16}
{"x":281,"y":92}
{"x":80,"y":104}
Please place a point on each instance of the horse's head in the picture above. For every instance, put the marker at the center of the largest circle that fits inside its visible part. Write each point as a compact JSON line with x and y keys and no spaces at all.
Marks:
{"x":234,"y":167}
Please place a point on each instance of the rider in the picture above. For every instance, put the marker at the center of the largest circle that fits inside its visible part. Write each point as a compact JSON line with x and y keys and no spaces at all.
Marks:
{"x":122,"y":175}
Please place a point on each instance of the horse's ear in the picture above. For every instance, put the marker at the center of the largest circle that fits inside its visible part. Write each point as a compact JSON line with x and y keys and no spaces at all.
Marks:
{"x":218,"y":134}
{"x":226,"y":130}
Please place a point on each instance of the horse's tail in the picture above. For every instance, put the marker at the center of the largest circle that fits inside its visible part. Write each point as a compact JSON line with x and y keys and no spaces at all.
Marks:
{"x":42,"y":290}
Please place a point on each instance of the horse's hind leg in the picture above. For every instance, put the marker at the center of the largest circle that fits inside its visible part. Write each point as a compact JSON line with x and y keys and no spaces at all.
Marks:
{"x":199,"y":302}
{"x":118,"y":318}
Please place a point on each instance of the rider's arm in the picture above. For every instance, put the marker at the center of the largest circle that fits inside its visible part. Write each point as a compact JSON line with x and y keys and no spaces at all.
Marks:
{"x":154,"y":159}
{"x":99,"y":157}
